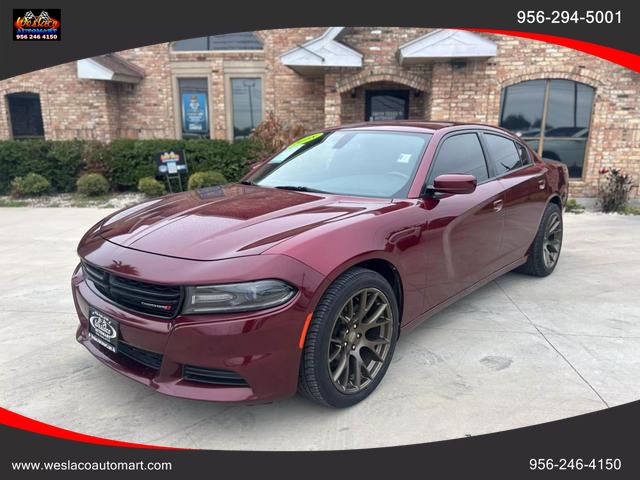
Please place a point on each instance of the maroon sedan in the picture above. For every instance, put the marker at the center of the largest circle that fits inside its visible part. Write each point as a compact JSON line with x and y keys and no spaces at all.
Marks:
{"x":303,"y":275}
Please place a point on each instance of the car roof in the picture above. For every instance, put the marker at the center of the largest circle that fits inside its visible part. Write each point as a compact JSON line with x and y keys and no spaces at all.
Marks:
{"x":413,"y":126}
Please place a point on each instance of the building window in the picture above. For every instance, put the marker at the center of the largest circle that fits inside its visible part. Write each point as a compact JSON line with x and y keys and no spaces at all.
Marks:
{"x":228,"y":41}
{"x":194,"y":107}
{"x":246,"y":105}
{"x":25,"y":115}
{"x":552,"y":116}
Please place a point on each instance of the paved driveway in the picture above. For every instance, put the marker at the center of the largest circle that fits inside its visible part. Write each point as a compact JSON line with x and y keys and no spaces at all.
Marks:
{"x":517,"y":352}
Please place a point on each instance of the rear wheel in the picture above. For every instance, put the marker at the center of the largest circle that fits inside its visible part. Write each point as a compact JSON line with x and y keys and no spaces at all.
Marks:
{"x":350,"y":340}
{"x":545,"y":250}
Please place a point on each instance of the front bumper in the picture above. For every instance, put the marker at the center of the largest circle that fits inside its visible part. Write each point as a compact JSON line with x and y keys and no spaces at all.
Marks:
{"x":260,"y":348}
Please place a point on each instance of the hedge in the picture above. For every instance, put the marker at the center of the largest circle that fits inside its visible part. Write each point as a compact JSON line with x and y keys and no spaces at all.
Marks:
{"x":124,"y":162}
{"x":59,"y":162}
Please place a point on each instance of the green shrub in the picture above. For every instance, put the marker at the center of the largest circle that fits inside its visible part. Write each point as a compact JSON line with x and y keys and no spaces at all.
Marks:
{"x":123,"y":162}
{"x":205,"y":179}
{"x":631,"y":210}
{"x":92,"y":185}
{"x":61,"y":162}
{"x":573,"y":206}
{"x":130,"y":160}
{"x":31,"y":185}
{"x":151,"y":187}
{"x":614,"y":186}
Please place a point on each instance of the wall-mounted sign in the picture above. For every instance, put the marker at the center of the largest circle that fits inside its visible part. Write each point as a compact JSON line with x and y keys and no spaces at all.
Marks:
{"x":171,"y":163}
{"x":195,"y":114}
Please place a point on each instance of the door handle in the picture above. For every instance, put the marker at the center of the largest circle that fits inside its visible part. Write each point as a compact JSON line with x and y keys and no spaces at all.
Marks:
{"x":542,"y":183}
{"x":497,"y":205}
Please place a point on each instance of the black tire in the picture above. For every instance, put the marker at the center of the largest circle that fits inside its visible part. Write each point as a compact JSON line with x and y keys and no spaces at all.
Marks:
{"x":536,"y":264}
{"x":315,"y":379}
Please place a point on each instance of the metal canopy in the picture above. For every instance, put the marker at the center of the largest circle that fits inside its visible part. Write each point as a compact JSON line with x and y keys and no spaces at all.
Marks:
{"x":111,"y":67}
{"x":322,"y":52}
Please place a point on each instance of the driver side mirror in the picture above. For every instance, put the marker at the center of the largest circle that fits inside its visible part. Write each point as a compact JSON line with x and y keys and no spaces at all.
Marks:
{"x":454,"y":183}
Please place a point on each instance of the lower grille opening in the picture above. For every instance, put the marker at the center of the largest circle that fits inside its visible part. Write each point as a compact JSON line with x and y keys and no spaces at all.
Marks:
{"x":144,"y":357}
{"x":213,"y":376}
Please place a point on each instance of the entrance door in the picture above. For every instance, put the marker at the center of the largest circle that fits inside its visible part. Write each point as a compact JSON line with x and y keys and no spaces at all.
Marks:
{"x":386,"y":105}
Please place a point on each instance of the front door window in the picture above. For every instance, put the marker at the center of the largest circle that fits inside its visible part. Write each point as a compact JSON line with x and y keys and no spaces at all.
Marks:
{"x":386,"y":105}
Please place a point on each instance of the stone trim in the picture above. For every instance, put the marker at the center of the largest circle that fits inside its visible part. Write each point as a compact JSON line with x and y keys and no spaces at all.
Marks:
{"x":364,"y":77}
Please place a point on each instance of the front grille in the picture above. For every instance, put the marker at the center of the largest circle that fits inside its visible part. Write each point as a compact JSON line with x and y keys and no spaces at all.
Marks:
{"x":148,"y":359}
{"x":153,"y":299}
{"x":213,"y":376}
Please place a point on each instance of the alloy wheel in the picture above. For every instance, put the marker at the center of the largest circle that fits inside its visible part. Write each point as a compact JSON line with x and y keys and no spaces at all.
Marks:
{"x":552,"y":241}
{"x":360,"y":340}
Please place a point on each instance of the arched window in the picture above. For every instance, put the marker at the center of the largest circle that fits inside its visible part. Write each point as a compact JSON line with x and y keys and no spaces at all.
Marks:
{"x":227,"y":41}
{"x":553,"y":116}
{"x":25,"y":115}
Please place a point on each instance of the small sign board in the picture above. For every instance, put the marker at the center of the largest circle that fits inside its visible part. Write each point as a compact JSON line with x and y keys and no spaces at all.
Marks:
{"x":171,"y":162}
{"x":170,"y":165}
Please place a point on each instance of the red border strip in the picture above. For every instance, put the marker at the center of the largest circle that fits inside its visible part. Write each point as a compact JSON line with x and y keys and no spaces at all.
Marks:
{"x":15,"y":420}
{"x":625,"y":59}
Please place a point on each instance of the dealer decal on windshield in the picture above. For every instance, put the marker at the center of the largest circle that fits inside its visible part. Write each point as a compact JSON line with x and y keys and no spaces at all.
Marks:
{"x":304,"y":140}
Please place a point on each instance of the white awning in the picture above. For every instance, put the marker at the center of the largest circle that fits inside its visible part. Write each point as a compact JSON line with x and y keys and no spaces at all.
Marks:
{"x":322,"y":52}
{"x":446,"y":44}
{"x":111,"y":67}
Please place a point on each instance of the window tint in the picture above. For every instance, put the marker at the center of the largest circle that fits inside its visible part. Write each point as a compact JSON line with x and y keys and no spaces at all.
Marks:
{"x":503,"y":152}
{"x":560,"y":134}
{"x":25,"y":115}
{"x":349,"y":162}
{"x":460,"y":154}
{"x":522,"y":106}
{"x":246,"y":99}
{"x":523,"y":153}
{"x":227,"y":41}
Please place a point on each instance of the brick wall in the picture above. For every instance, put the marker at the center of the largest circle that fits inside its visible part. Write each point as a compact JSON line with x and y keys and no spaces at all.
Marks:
{"x":471,"y":91}
{"x":146,"y":108}
{"x":291,"y":96}
{"x":71,"y":108}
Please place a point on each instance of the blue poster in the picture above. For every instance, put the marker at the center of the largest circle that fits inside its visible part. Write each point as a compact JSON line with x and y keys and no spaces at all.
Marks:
{"x":195,"y":115}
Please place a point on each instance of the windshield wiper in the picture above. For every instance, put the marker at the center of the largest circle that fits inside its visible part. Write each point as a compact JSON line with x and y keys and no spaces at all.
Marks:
{"x":300,"y":188}
{"x":246,"y":182}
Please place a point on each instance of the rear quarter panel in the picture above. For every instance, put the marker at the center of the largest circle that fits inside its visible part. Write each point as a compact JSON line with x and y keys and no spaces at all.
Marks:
{"x":558,"y":179}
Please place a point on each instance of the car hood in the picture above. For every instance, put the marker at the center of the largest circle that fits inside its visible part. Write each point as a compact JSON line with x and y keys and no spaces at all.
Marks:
{"x":224,"y":222}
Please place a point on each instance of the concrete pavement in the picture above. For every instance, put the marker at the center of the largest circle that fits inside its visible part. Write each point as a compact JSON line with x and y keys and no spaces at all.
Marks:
{"x":520,"y":351}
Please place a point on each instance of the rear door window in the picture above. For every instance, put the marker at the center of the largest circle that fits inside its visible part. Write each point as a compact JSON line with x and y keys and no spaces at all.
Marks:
{"x":504,"y":153}
{"x":525,"y":158}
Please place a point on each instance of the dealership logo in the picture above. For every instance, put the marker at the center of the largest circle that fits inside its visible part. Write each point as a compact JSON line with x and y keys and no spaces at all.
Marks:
{"x":37,"y":24}
{"x":102,"y":327}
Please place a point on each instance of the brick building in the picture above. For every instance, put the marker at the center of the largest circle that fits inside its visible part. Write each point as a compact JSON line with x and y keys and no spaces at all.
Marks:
{"x":568,"y":105}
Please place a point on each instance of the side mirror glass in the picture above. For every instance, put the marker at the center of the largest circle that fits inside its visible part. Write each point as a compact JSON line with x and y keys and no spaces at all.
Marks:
{"x":454,"y":183}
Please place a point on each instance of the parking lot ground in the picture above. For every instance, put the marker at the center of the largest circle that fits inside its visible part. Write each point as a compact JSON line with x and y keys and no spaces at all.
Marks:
{"x":518,"y":352}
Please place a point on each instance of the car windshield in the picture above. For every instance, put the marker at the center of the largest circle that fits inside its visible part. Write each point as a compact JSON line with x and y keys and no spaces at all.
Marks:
{"x":347,"y":162}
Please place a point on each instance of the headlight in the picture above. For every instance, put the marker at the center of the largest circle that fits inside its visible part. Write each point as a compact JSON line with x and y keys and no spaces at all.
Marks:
{"x":237,"y":297}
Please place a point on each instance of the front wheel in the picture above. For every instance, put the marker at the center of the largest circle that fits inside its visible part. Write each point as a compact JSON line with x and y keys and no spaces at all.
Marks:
{"x":545,"y":250}
{"x":350,"y":340}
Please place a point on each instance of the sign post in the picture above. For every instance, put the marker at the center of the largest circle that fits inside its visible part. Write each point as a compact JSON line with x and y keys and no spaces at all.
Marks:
{"x":171,"y":165}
